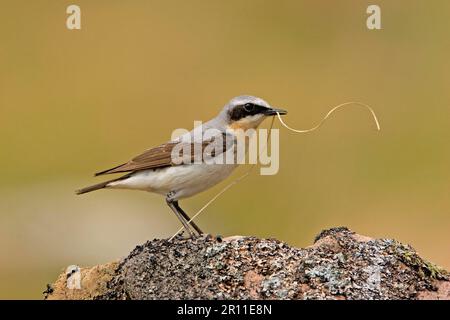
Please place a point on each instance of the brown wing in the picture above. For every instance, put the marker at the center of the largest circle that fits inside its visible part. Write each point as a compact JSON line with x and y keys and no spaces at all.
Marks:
{"x":159,"y":157}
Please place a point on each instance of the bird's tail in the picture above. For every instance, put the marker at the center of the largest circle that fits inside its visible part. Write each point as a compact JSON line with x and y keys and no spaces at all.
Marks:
{"x":99,"y":186}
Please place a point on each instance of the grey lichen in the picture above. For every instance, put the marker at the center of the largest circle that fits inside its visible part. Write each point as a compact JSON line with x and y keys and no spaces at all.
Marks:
{"x":340,"y":265}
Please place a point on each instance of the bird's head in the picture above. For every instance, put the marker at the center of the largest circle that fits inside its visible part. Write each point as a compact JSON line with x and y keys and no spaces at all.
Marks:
{"x":247,"y":112}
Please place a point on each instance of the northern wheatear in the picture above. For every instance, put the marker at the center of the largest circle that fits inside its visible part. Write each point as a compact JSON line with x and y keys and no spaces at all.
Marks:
{"x":156,"y":171}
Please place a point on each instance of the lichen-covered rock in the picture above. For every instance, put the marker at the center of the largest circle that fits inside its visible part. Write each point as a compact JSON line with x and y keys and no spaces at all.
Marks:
{"x":340,"y":265}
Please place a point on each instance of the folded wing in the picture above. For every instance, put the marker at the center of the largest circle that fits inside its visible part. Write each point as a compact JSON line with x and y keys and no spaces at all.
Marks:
{"x":161,"y":156}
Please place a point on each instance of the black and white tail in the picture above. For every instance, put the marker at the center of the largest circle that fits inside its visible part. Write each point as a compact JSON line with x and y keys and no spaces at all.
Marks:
{"x":99,"y":186}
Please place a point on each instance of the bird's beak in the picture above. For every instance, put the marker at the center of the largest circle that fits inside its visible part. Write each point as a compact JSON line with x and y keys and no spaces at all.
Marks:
{"x":274,"y":111}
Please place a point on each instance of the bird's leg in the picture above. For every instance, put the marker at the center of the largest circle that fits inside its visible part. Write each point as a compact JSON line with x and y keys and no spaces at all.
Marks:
{"x":171,"y":204}
{"x":186,"y":217}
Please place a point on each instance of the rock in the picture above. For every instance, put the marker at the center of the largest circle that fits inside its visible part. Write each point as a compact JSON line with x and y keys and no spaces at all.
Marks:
{"x":93,"y":283}
{"x":340,"y":265}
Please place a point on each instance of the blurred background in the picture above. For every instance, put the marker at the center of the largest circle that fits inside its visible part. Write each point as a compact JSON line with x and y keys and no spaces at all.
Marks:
{"x":73,"y":102}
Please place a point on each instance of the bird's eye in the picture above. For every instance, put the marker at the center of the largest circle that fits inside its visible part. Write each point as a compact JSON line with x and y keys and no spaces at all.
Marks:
{"x":249,"y":107}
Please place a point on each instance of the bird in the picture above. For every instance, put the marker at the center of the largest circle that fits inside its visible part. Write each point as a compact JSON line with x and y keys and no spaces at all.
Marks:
{"x":155,"y":170}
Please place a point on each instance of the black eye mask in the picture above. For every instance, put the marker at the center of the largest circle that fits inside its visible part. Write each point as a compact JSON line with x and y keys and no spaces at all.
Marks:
{"x":248,"y":109}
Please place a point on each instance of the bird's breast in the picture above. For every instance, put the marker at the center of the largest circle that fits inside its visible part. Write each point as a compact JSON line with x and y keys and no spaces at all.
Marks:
{"x":184,"y":180}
